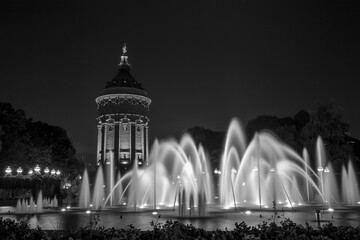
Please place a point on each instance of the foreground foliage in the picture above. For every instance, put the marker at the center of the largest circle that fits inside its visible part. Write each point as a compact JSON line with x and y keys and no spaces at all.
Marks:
{"x":9,"y":229}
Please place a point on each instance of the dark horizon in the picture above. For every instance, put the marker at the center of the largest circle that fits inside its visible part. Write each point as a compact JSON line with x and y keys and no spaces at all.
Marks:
{"x":202,"y":63}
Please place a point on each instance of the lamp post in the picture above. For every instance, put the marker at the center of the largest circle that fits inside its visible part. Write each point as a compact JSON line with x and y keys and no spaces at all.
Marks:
{"x":272,"y":170}
{"x":256,"y":170}
{"x":233,"y":173}
{"x":326,"y":171}
{"x":53,"y":172}
{"x":30,"y":171}
{"x":37,"y":169}
{"x":178,"y":185}
{"x":46,"y":170}
{"x":19,"y":171}
{"x":217,"y":173}
{"x":321,"y":170}
{"x":8,"y":171}
{"x":58,"y":172}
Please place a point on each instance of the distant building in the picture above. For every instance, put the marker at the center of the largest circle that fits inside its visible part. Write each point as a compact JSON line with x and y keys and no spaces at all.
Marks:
{"x":123,"y":123}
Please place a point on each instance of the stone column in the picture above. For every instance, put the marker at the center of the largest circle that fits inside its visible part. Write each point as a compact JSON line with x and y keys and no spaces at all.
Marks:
{"x":98,"y":153}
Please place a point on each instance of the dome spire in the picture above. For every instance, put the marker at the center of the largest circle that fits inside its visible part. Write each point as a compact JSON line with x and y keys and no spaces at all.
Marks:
{"x":124,"y":62}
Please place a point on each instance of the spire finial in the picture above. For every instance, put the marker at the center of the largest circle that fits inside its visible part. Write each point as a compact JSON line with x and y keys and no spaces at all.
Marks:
{"x":124,"y":58}
{"x":124,"y":49}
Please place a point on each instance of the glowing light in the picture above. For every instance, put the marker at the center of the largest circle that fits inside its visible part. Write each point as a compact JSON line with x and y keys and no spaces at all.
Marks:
{"x":216,"y":171}
{"x":327,"y":170}
{"x":19,"y":170}
{"x":53,"y":172}
{"x":255,"y":169}
{"x":8,"y":170}
{"x":244,"y":200}
{"x":320,"y":169}
{"x":233,"y":170}
{"x":272,"y":170}
{"x":248,"y":212}
{"x":46,"y":170}
{"x":58,"y":172}
{"x":37,"y":168}
{"x":266,"y":206}
{"x":358,"y":202}
{"x":90,"y":205}
{"x":68,"y":207}
{"x":88,"y":212}
{"x":63,"y":209}
{"x":330,"y":209}
{"x":216,"y":197}
{"x":30,"y":172}
{"x":243,"y":184}
{"x":154,"y":213}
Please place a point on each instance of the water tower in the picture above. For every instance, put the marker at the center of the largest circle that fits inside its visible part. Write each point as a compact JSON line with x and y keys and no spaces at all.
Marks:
{"x":123,"y":123}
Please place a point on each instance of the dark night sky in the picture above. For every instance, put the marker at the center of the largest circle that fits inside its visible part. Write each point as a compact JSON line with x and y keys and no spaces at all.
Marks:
{"x":202,"y":62}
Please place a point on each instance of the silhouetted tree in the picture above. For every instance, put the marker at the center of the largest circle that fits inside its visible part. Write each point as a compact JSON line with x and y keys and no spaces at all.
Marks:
{"x":26,"y":143}
{"x":211,"y":141}
{"x":298,"y":132}
{"x":284,"y":128}
{"x":326,"y":122}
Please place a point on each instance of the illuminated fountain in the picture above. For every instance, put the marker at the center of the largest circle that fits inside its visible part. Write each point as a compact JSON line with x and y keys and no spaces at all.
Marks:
{"x":266,"y":171}
{"x":258,"y":175}
{"x":29,"y":206}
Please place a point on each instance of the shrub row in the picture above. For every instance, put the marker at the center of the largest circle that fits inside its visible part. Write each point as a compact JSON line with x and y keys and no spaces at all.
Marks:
{"x":9,"y":229}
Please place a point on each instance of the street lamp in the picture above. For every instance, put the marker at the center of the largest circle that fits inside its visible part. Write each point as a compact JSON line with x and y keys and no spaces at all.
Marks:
{"x":321,"y":170}
{"x":8,"y":170}
{"x":46,"y":171}
{"x":58,"y":172}
{"x":233,"y":171}
{"x":30,"y":172}
{"x":53,"y":172}
{"x":37,"y":168}
{"x":326,"y":171}
{"x":19,"y":171}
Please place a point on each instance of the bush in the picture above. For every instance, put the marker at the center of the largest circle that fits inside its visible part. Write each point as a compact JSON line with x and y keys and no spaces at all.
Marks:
{"x":287,"y":229}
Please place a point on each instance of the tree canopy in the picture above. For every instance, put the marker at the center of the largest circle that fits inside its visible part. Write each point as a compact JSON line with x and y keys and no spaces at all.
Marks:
{"x":299,"y":131}
{"x":26,"y":143}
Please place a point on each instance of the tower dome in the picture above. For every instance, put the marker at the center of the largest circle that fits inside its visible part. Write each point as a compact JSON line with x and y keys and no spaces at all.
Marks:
{"x":123,"y":123}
